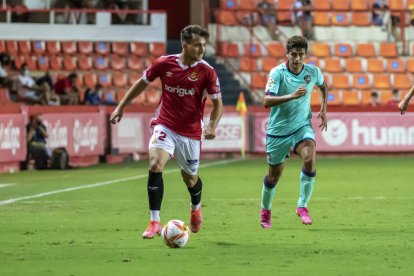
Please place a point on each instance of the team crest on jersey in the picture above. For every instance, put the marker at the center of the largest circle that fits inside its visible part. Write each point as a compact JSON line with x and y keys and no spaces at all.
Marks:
{"x":270,"y":83}
{"x":307,"y":79}
{"x":193,"y":76}
{"x":168,"y":74}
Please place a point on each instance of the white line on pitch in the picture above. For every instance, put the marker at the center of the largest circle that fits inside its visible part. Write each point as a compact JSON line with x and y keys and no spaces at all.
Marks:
{"x":6,"y":185}
{"x":99,"y":184}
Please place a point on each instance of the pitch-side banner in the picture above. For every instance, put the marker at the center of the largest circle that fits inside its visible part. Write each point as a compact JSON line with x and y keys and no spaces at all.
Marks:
{"x":131,"y":133}
{"x":82,"y":134}
{"x":354,"y":132}
{"x":231,"y":134}
{"x":12,"y":138}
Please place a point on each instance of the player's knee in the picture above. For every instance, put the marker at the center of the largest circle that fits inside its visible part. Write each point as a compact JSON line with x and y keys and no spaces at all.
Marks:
{"x":155,"y":166}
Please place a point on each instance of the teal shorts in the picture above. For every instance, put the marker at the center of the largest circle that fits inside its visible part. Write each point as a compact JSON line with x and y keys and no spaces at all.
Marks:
{"x":278,"y":147}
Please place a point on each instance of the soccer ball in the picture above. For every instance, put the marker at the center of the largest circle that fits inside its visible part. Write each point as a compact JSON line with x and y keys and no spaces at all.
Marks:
{"x":175,"y":233}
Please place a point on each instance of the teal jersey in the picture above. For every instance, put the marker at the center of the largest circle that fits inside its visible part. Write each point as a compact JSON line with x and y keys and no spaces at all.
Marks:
{"x":288,"y":117}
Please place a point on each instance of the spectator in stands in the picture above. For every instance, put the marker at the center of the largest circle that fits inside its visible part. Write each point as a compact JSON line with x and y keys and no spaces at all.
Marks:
{"x":20,"y":13}
{"x":36,"y":142}
{"x":267,"y":18}
{"x":27,"y":89}
{"x":303,"y":17}
{"x":381,"y":16}
{"x":374,"y":99}
{"x":395,"y":98}
{"x":47,"y":80}
{"x":73,"y":15}
{"x":404,"y":102}
{"x":93,"y":96}
{"x":67,"y":89}
{"x":120,"y":17}
{"x":5,"y":62}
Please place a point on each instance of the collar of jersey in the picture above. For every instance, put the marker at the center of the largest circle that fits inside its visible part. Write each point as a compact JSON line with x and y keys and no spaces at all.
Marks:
{"x":287,"y":67}
{"x":185,"y":66}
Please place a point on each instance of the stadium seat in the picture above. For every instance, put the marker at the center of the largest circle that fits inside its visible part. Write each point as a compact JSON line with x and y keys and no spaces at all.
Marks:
{"x":31,"y":62}
{"x":375,"y":65}
{"x":322,"y":18}
{"x":134,"y":63}
{"x":11,"y":47}
{"x":69,"y":63}
{"x":139,"y":48}
{"x":226,"y":17}
{"x":322,"y":5}
{"x":365,"y":50}
{"x":105,"y":79}
{"x":133,"y":77}
{"x":4,"y":97}
{"x":381,"y":81}
{"x":333,"y":65}
{"x":385,"y":96}
{"x":315,"y":98}
{"x":276,"y":49}
{"x":120,"y":48}
{"x":396,"y":65}
{"x":340,"y":81}
{"x":320,"y":49}
{"x":229,"y":4}
{"x":258,"y":80}
{"x":248,"y":64}
{"x":388,"y":50}
{"x":353,"y":65}
{"x":340,"y":5}
{"x":85,"y":47}
{"x":89,"y":80}
{"x":334,"y":97}
{"x":283,"y":13}
{"x":109,"y":97}
{"x":361,"y":81}
{"x":252,"y":50}
{"x":2,"y":46}
{"x":156,"y":84}
{"x":228,"y":49}
{"x":55,"y":63}
{"x":152,"y":96}
{"x":313,"y":61}
{"x":157,"y":49}
{"x":100,"y":62}
{"x":53,"y":47}
{"x":117,"y":62}
{"x":18,"y":61}
{"x":42,"y":63}
{"x":401,"y":81}
{"x":396,"y":4}
{"x":340,"y":19}
{"x":366,"y":97}
{"x":247,"y":4}
{"x":69,"y":47}
{"x":119,"y":79}
{"x":360,"y":5}
{"x":25,"y":47}
{"x":343,"y":50}
{"x":410,"y":65}
{"x":148,"y":61}
{"x":268,"y":63}
{"x":85,"y":62}
{"x":351,"y":97}
{"x":102,"y":47}
{"x":38,"y":47}
{"x":361,"y":19}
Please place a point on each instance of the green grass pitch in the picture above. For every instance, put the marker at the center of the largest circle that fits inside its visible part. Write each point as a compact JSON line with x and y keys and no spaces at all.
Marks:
{"x":362,"y":209}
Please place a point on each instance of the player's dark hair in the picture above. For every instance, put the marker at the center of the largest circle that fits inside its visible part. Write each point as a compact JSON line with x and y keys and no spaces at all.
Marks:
{"x":188,"y":31}
{"x":297,"y":41}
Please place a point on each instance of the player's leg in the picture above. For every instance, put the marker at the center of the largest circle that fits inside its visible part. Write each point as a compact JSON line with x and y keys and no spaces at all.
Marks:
{"x":307,"y":151}
{"x":187,"y":152}
{"x":161,"y":148}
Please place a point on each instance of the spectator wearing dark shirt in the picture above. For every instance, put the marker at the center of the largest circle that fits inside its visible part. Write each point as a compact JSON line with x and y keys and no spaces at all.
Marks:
{"x":67,"y":90}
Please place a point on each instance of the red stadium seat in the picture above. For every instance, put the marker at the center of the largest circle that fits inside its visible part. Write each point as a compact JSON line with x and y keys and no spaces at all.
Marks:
{"x":340,"y":5}
{"x":38,"y":47}
{"x":353,"y":65}
{"x":226,"y":17}
{"x":228,"y":49}
{"x":375,"y":65}
{"x":229,"y":4}
{"x":340,"y":19}
{"x":134,"y":63}
{"x":247,"y":4}
{"x":153,"y":97}
{"x":102,"y":47}
{"x":401,"y":81}
{"x":133,"y":77}
{"x":276,"y":49}
{"x":252,"y":50}
{"x":105,"y":79}
{"x":89,"y":80}
{"x":117,"y":62}
{"x":268,"y":63}
{"x":85,"y":47}
{"x":25,"y":47}
{"x":344,"y":50}
{"x":320,"y":5}
{"x":322,"y":18}
{"x":69,"y":63}
{"x":2,"y":46}
{"x":53,"y":47}
{"x":366,"y":97}
{"x":42,"y":63}
{"x":351,"y":97}
{"x":396,"y":65}
{"x":69,"y":47}
{"x":410,"y":65}
{"x":120,"y":48}
{"x":31,"y":62}
{"x":258,"y":80}
{"x":333,"y":65}
{"x":381,"y":81}
{"x":320,"y":49}
{"x":55,"y":63}
{"x":365,"y":50}
{"x":361,"y":19}
{"x":361,"y":81}
{"x":119,"y":79}
{"x":139,"y":48}
{"x":388,"y":50}
{"x":18,"y":61}
{"x":248,"y":64}
{"x":148,"y":61}
{"x":11,"y":47}
{"x":100,"y":62}
{"x":85,"y":63}
{"x":360,"y":5}
{"x":396,"y":4}
{"x":340,"y":81}
{"x":157,"y":49}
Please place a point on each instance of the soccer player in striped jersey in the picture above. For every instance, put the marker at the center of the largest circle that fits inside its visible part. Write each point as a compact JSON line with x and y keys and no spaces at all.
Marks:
{"x":288,"y":93}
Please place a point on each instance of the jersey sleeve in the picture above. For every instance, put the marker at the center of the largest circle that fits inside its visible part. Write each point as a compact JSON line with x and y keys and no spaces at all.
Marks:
{"x":152,"y":72}
{"x":319,"y":78}
{"x":273,"y":83}
{"x":213,"y":85}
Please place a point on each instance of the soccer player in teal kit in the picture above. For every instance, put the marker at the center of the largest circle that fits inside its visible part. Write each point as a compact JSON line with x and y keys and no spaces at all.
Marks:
{"x":288,"y":93}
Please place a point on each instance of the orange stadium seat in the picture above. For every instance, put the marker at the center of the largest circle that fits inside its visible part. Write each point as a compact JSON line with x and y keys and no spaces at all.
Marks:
{"x":366,"y":97}
{"x":252,"y":49}
{"x":133,"y":77}
{"x":89,"y":80}
{"x":322,"y":18}
{"x":396,"y":4}
{"x":18,"y":61}
{"x":333,"y":65}
{"x":53,"y":47}
{"x":247,"y":4}
{"x":85,"y":62}
{"x":410,"y":65}
{"x":119,"y":79}
{"x":248,"y":64}
{"x":340,"y":19}
{"x":134,"y":63}
{"x":351,"y":97}
{"x":353,"y":65}
{"x":229,"y":4}
{"x":31,"y":62}
{"x":157,"y":49}
{"x":276,"y":49}
{"x":85,"y":47}
{"x":42,"y":63}
{"x":55,"y":63}
{"x":69,"y":47}
{"x":226,"y":17}
{"x":360,"y":5}
{"x":401,"y":81}
{"x":258,"y":80}
{"x":386,"y":96}
{"x":117,"y":62}
{"x":365,"y":50}
{"x":396,"y":65}
{"x":69,"y":63}
{"x":312,"y":60}
{"x":283,"y":13}
{"x":388,"y":50}
{"x":334,"y":97}
{"x":38,"y":47}
{"x":2,"y":46}
{"x":268,"y":63}
{"x":344,"y":50}
{"x":152,"y":96}
{"x":120,"y":48}
{"x":139,"y":48}
{"x":320,"y":5}
{"x":228,"y":49}
{"x":340,"y":5}
{"x":381,"y":81}
{"x":148,"y":61}
{"x":100,"y":62}
{"x":105,"y":79}
{"x":102,"y":47}
{"x":320,"y":49}
{"x":11,"y":47}
{"x":340,"y":81}
{"x":375,"y":65}
{"x":315,"y":98}
{"x":361,"y":81}
{"x":25,"y":47}
{"x":361,"y":18}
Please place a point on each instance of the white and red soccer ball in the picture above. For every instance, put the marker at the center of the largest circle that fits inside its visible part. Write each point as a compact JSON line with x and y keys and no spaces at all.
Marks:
{"x":175,"y":233}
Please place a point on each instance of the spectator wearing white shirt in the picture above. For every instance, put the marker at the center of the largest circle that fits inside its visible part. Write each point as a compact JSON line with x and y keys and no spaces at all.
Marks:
{"x":27,"y":89}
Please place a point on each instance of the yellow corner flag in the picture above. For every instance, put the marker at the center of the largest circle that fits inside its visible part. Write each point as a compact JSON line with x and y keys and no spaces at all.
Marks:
{"x":241,"y":104}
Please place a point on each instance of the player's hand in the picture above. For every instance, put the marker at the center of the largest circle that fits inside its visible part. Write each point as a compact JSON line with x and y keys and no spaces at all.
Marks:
{"x":209,"y":133}
{"x":116,"y":116}
{"x":300,"y":92}
{"x":324,"y":124}
{"x":403,"y":106}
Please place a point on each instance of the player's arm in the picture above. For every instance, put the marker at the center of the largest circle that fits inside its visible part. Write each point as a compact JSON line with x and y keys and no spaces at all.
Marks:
{"x":404,"y":102}
{"x":323,"y":90}
{"x":210,"y":131}
{"x":273,"y":100}
{"x":135,"y":90}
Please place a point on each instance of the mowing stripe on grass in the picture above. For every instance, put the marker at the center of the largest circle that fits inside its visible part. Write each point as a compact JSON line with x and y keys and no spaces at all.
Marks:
{"x":6,"y":185}
{"x":109,"y":182}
